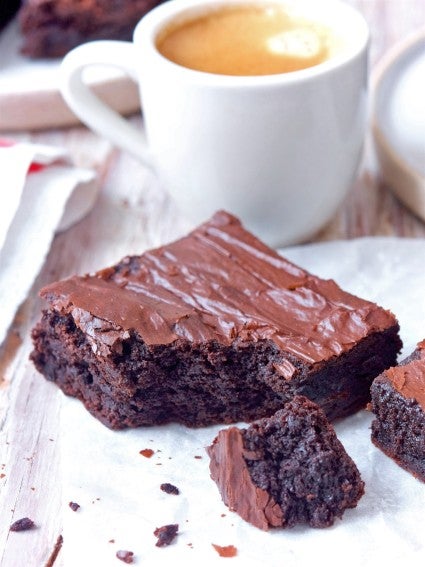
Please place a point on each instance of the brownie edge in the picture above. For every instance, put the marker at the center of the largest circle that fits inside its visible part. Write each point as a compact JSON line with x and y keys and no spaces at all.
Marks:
{"x":398,"y":402}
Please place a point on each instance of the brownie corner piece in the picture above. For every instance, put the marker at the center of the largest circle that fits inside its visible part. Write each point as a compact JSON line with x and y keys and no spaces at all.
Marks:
{"x":285,"y":470}
{"x":212,"y":328}
{"x":398,"y":402}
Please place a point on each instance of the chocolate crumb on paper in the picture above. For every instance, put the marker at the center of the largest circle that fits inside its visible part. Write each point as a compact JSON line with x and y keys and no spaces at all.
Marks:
{"x":74,"y":506}
{"x":169,"y":488}
{"x":147,"y":453}
{"x":125,"y":556}
{"x":226,"y":550}
{"x":22,"y":525}
{"x":166,"y":534}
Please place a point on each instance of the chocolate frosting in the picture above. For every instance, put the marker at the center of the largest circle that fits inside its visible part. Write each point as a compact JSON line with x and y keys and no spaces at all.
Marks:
{"x":409,"y":379}
{"x":218,"y":283}
{"x":229,"y":470}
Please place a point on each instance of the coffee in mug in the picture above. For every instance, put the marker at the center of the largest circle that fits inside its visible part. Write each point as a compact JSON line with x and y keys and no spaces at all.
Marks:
{"x":277,"y":149}
{"x":248,"y":39}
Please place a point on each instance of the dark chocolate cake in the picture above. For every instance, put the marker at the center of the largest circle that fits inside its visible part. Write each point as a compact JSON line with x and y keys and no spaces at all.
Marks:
{"x":51,"y":28}
{"x":398,"y":401}
{"x":285,"y":470}
{"x":213,"y":328}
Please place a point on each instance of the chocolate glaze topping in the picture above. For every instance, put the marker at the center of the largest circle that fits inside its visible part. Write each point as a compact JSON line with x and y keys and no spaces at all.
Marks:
{"x":229,"y":470}
{"x":218,"y":283}
{"x":409,"y":378}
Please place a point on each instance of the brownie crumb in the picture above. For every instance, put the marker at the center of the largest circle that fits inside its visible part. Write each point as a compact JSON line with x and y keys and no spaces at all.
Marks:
{"x":169,"y":488}
{"x":22,"y":525}
{"x":125,"y":556}
{"x":147,"y":453}
{"x":166,"y":534}
{"x":198,"y":457}
{"x":74,"y":506}
{"x":226,"y":550}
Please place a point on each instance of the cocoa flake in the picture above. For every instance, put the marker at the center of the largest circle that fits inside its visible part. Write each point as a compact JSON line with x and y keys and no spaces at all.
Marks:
{"x":74,"y":506}
{"x":147,"y":453}
{"x":226,"y":550}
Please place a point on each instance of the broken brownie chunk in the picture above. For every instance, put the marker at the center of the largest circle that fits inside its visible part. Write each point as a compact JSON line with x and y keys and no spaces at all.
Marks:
{"x":398,"y":402}
{"x":285,"y":470}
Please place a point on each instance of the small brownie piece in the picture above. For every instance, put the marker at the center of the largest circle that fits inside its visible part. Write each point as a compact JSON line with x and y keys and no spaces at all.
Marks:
{"x":125,"y":556}
{"x":22,"y":525}
{"x":51,"y":28}
{"x":166,"y":534}
{"x":169,"y":488}
{"x":286,"y":469}
{"x":213,"y":328}
{"x":398,"y":402}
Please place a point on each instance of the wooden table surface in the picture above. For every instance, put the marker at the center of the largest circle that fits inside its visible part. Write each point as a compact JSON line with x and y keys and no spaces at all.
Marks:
{"x":131,"y":214}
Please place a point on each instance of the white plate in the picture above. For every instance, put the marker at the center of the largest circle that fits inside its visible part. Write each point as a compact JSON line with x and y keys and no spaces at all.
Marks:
{"x":29,"y":88}
{"x":398,"y":120}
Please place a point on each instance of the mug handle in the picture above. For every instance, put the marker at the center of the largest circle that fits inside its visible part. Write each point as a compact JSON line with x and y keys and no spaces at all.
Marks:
{"x":93,"y":112}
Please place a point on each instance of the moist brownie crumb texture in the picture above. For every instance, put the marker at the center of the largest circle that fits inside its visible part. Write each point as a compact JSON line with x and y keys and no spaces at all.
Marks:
{"x":285,"y":470}
{"x":398,"y":401}
{"x":213,"y":328}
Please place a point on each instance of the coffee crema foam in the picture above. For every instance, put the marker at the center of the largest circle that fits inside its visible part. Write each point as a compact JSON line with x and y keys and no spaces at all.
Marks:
{"x":246,"y":40}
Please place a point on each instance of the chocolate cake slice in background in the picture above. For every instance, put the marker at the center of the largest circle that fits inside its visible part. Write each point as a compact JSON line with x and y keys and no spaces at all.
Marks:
{"x":398,"y":401}
{"x":285,"y":470}
{"x":213,"y":328}
{"x":51,"y":28}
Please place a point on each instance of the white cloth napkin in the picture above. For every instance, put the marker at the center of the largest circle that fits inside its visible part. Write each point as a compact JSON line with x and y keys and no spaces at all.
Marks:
{"x":40,"y":193}
{"x":118,"y":489}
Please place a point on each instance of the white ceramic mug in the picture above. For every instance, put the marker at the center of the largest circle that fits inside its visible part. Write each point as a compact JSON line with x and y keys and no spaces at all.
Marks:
{"x":279,"y":151}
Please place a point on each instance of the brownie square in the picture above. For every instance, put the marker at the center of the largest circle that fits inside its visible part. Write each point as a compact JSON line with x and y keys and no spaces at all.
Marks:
{"x":398,"y":402}
{"x":51,"y":28}
{"x":213,"y":328}
{"x":285,"y":470}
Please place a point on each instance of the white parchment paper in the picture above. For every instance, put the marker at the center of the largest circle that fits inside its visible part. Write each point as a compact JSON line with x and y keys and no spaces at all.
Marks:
{"x":118,"y":491}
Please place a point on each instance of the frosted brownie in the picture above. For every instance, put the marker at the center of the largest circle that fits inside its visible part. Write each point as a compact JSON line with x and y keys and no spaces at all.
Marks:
{"x":398,"y":401}
{"x":213,"y":328}
{"x":50,"y":28}
{"x":285,"y":470}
